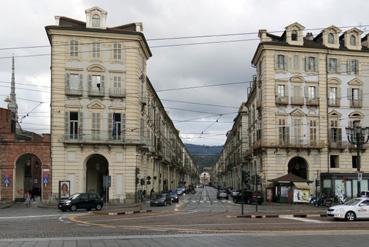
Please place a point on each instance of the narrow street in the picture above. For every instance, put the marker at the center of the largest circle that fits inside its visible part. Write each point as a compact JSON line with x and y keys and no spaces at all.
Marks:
{"x":197,"y":220}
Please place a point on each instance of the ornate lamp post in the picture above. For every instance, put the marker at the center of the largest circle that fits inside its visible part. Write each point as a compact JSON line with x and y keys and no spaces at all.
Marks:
{"x":358,"y":136}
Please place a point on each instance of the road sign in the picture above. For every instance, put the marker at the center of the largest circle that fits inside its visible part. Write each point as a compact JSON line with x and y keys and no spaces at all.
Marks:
{"x":359,"y":176}
{"x":106,"y":181}
{"x":45,"y":180}
{"x":6,"y":180}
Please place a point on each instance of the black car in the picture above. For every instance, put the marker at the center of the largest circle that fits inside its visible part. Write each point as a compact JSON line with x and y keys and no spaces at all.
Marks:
{"x":248,"y":197}
{"x":161,"y":200}
{"x":174,"y":196}
{"x":82,"y":201}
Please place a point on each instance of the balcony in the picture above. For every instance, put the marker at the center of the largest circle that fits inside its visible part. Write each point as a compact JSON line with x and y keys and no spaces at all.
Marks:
{"x":95,"y":92}
{"x":334,"y":102}
{"x":356,"y":103}
{"x":96,"y":138}
{"x":116,"y":93}
{"x":297,"y":100}
{"x":73,"y":92}
{"x":312,"y":102}
{"x":281,"y":100}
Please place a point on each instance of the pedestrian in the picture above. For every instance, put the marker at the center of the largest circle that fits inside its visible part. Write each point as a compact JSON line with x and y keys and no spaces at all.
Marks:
{"x":151,"y":193}
{"x":28,"y":199}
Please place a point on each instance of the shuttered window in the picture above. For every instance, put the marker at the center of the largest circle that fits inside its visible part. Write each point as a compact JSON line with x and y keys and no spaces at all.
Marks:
{"x":117,"y":51}
{"x":96,"y":50}
{"x":73,"y":48}
{"x":73,"y":125}
{"x":95,"y":125}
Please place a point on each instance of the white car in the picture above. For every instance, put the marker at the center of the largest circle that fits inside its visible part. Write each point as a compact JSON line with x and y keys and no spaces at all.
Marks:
{"x":356,"y":208}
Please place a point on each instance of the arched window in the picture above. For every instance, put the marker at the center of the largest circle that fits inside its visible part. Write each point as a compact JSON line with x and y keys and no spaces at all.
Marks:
{"x":330,"y":38}
{"x":352,"y":40}
{"x":294,"y":35}
{"x":95,"y":21}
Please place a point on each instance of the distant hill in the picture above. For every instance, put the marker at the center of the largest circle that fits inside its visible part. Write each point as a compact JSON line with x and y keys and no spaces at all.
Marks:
{"x":204,"y":155}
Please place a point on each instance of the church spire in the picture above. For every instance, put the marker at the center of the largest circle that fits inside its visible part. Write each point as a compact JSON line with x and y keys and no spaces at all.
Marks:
{"x":12,"y":103}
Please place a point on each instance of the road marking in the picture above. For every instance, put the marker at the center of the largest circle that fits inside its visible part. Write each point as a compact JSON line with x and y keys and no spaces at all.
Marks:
{"x":31,"y":216}
{"x":170,"y":236}
{"x":304,"y":219}
{"x":193,"y":201}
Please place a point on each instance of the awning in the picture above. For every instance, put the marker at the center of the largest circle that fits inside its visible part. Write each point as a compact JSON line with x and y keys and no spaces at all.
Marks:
{"x":301,"y":186}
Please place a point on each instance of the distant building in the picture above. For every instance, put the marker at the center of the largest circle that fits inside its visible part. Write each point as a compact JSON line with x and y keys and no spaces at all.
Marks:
{"x":24,"y":156}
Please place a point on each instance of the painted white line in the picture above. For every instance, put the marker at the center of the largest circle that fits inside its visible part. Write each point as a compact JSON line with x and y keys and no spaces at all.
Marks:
{"x":171,"y":236}
{"x":208,"y":201}
{"x":193,"y":201}
{"x":304,"y":219}
{"x":28,"y":216}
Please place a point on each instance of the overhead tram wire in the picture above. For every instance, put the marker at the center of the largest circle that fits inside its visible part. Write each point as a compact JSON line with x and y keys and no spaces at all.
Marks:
{"x":183,"y":37}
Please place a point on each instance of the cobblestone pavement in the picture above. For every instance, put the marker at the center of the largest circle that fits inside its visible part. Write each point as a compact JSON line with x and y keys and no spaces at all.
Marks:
{"x":199,"y":214}
{"x":255,"y":240}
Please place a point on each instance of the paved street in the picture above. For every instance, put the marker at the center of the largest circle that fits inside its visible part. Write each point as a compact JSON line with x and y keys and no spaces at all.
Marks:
{"x":187,"y":223}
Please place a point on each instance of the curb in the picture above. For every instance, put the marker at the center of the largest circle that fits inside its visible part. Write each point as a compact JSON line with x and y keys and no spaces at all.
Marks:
{"x":123,"y":212}
{"x":4,"y":206}
{"x":259,"y":216}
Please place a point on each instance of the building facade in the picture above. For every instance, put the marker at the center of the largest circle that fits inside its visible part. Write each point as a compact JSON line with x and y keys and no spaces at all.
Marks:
{"x":106,"y":119}
{"x":306,"y":92}
{"x":24,"y":161}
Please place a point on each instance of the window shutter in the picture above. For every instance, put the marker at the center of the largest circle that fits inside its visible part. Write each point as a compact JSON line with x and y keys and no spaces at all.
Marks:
{"x":123,"y":118}
{"x":287,"y":63}
{"x":89,"y":82}
{"x":317,"y":92}
{"x":276,"y":62}
{"x":80,"y":125}
{"x":102,"y":83}
{"x":338,"y":66}
{"x":306,"y":91}
{"x":349,"y":93}
{"x":288,"y":134}
{"x":80,"y":81}
{"x":339,"y":134}
{"x":338,"y":96}
{"x":66,"y":128}
{"x":110,"y":124}
{"x":348,"y":67}
{"x":306,"y":63}
{"x":67,"y":86}
{"x":316,"y":64}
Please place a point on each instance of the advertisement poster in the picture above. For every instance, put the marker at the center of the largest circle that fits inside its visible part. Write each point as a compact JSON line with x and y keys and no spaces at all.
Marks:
{"x":301,"y":195}
{"x":64,"y":189}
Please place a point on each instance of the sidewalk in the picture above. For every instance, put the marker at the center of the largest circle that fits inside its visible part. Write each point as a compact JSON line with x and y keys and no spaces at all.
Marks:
{"x":278,"y":209}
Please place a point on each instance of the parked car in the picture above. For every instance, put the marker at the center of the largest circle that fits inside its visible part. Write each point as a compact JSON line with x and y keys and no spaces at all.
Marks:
{"x":364,"y":194}
{"x":356,"y":208}
{"x":222,"y":194}
{"x":161,"y":200}
{"x":86,"y":201}
{"x":248,"y":197}
{"x":174,"y":196}
{"x":181,"y":190}
{"x":235,"y":193}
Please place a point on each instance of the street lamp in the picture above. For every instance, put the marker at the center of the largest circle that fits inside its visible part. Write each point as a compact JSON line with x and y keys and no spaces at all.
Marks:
{"x":358,"y":136}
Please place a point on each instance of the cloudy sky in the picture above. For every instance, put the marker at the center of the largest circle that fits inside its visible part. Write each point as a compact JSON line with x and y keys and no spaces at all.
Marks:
{"x":23,"y":24}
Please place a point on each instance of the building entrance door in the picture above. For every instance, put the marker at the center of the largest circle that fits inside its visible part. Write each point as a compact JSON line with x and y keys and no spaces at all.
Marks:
{"x":298,"y":166}
{"x":97,"y":166}
{"x":27,"y":176}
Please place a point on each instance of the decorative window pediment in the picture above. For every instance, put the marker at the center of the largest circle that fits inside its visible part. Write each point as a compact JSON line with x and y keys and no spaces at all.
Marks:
{"x":297,"y":113}
{"x":355,"y":82}
{"x":297,"y":79}
{"x":95,"y":105}
{"x":356,"y":114}
{"x":334,"y":80}
{"x":334,"y":114}
{"x":96,"y":68}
